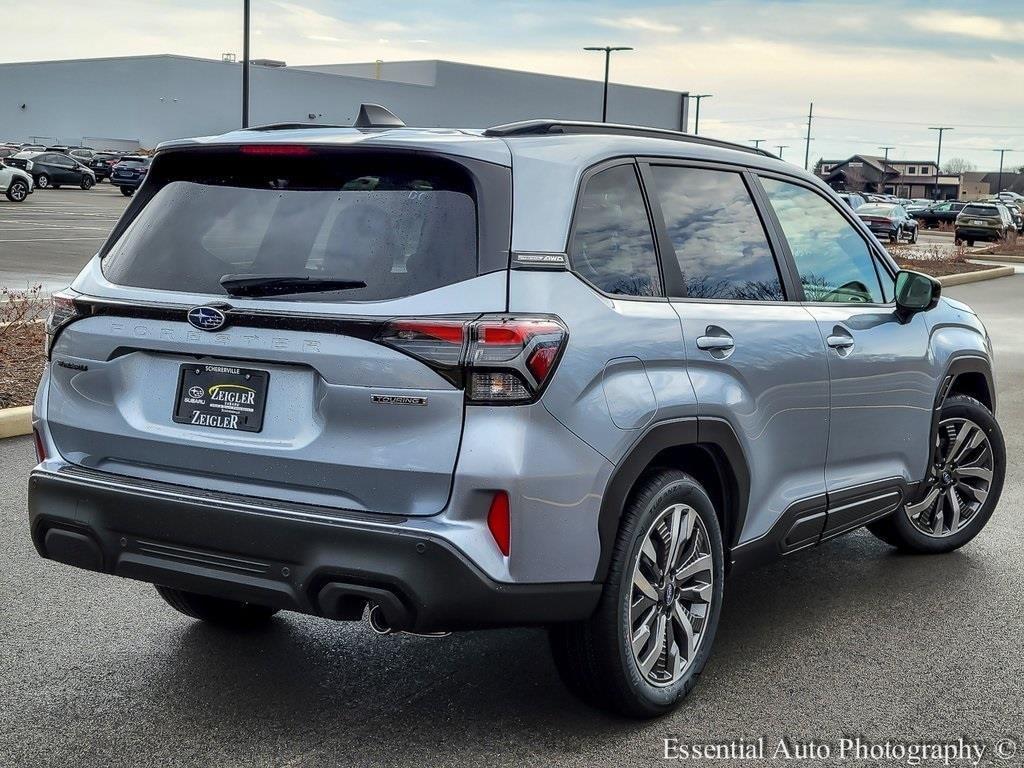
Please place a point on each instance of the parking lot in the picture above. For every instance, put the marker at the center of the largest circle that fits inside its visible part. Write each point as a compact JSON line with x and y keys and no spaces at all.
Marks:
{"x":50,"y":236}
{"x":850,"y":639}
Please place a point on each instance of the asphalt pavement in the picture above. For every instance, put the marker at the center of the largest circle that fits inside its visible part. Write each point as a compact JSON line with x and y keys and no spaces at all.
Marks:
{"x":847,"y":640}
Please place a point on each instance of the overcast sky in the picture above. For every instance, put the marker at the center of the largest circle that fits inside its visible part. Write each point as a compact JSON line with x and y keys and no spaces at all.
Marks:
{"x":879,"y":72}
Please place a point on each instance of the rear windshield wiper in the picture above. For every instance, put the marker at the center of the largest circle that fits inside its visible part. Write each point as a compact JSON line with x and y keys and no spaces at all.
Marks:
{"x":278,"y":285}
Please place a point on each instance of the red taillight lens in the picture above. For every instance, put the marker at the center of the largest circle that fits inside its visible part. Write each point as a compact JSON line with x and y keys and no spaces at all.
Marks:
{"x":292,"y":150}
{"x":40,"y":446}
{"x":62,"y":311}
{"x":499,"y":522}
{"x":499,"y":359}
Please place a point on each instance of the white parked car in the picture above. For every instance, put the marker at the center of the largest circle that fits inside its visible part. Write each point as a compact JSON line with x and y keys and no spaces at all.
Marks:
{"x":15,"y":183}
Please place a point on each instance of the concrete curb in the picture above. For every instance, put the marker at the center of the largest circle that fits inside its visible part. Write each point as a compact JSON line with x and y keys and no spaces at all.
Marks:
{"x":982,"y":256}
{"x":976,"y":277}
{"x":15,"y":422}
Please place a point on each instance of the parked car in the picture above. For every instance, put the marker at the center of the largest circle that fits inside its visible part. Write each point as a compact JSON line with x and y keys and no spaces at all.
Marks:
{"x":316,"y":371}
{"x":102,"y":164}
{"x":8,"y":151}
{"x":889,"y":221}
{"x":52,"y":169}
{"x":852,"y":199}
{"x":1016,"y":218}
{"x":33,"y":148}
{"x":15,"y":183}
{"x":982,"y":221}
{"x":940,"y":213}
{"x":129,"y":173}
{"x":81,"y":154}
{"x":914,"y":206}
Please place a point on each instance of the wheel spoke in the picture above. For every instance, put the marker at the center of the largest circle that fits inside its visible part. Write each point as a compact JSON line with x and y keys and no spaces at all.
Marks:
{"x":643,"y":633}
{"x":675,"y":537}
{"x":683,"y":622}
{"x":701,"y":565}
{"x":938,"y":517}
{"x":915,"y":510}
{"x":697,"y":592}
{"x":960,"y":440}
{"x":954,"y":505}
{"x":649,"y":551}
{"x":639,"y":606}
{"x":979,"y":472}
{"x":644,"y":585}
{"x":657,"y":646}
{"x":979,"y":494}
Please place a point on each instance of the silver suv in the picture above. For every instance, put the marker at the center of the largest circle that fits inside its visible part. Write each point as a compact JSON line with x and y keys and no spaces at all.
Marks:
{"x":549,"y":373}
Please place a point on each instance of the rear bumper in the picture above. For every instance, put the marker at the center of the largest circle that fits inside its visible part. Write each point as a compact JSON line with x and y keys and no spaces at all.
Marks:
{"x":977,"y":233}
{"x":119,"y":181}
{"x":299,"y":558}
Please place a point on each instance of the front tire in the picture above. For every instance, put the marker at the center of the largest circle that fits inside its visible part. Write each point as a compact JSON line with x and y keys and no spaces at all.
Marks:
{"x":647,"y":642}
{"x":127,"y":191}
{"x":962,"y":488}
{"x":216,"y":610}
{"x":17,"y":191}
{"x":913,"y":237}
{"x":86,"y":182}
{"x":42,"y":181}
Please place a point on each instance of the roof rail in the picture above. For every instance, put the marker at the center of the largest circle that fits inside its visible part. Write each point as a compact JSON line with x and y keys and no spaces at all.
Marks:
{"x":291,"y":126}
{"x":548,"y":127}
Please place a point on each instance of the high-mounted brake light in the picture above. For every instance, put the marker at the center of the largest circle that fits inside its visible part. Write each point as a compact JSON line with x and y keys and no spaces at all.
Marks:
{"x":499,"y":359}
{"x":292,"y":150}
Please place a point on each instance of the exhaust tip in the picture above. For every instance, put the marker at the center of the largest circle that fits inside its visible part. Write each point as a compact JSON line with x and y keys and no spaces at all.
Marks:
{"x":378,"y":623}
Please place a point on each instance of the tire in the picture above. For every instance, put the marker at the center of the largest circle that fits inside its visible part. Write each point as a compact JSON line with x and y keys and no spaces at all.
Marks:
{"x":595,"y":657}
{"x":906,"y":529}
{"x":17,"y":191}
{"x":43,"y":181}
{"x":970,"y":243}
{"x":913,"y":237}
{"x":86,"y":182}
{"x":127,"y":191}
{"x":216,"y":610}
{"x":895,"y":238}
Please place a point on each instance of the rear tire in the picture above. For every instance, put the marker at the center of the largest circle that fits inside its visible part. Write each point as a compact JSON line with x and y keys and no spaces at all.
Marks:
{"x":968,"y":475}
{"x":606,"y":660}
{"x":913,"y":237}
{"x":86,"y":182}
{"x":127,"y":191}
{"x":42,"y":181}
{"x":217,"y":610}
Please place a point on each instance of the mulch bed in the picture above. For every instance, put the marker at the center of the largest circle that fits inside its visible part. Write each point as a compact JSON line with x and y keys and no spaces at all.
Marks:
{"x":940,"y":267}
{"x":21,"y":363}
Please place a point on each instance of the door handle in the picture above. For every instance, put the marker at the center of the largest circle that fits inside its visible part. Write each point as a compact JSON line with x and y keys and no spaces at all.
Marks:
{"x":840,"y":340}
{"x":720,"y":343}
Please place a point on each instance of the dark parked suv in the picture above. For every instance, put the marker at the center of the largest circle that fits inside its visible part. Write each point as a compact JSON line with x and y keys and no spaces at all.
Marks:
{"x":551,"y":373}
{"x":129,"y":173}
{"x":939,"y":214}
{"x":989,"y":222}
{"x":51,"y":170}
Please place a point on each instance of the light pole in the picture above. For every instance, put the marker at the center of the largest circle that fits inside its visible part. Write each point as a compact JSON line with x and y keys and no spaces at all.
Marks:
{"x":938,"y":156}
{"x":886,"y":163}
{"x":607,"y":63}
{"x":757,"y":142}
{"x":999,"y":185}
{"x":781,"y":147}
{"x":696,"y":117}
{"x":245,"y":64}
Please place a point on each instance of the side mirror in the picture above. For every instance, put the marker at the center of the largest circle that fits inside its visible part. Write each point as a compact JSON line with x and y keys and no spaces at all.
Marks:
{"x":916,"y":292}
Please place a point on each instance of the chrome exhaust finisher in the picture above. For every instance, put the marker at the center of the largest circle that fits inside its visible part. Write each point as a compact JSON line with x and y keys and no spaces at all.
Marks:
{"x":379,"y":624}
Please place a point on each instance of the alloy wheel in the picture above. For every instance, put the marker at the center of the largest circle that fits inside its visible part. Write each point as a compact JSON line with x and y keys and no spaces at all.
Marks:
{"x":671,"y":593}
{"x":960,"y":480}
{"x":19,"y":191}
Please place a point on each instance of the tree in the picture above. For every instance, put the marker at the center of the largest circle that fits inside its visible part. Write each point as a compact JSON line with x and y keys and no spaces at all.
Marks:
{"x":957,"y":165}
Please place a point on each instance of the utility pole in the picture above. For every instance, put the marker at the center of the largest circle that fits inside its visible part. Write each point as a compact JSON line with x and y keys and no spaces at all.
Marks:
{"x":607,"y":64}
{"x":807,"y":150}
{"x":886,"y":163}
{"x":696,"y":119}
{"x":999,"y":185}
{"x":780,"y":148}
{"x":245,"y":64}
{"x":757,"y":142}
{"x":938,"y":156}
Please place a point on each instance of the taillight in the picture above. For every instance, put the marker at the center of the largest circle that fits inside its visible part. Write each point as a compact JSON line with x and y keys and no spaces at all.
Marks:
{"x":498,"y":359}
{"x":40,"y":446}
{"x":63,"y":311}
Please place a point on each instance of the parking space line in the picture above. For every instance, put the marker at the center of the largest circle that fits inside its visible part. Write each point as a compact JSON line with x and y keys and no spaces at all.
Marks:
{"x":50,"y":239}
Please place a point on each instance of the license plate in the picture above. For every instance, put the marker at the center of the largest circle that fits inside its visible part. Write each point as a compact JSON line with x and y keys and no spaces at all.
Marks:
{"x":975,"y":221}
{"x":221,"y":396}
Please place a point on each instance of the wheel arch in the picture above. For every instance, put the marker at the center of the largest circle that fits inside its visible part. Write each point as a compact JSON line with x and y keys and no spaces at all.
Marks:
{"x":706,"y":448}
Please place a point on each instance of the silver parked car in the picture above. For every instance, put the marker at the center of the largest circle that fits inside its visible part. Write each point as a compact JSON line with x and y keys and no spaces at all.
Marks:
{"x":549,"y":373}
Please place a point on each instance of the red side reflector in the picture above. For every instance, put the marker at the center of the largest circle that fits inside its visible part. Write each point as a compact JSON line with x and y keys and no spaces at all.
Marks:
{"x":40,"y":448}
{"x":275,"y":149}
{"x":499,"y":522}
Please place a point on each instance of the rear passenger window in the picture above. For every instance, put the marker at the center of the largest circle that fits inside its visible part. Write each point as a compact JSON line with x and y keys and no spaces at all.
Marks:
{"x":831,"y":257}
{"x":612,"y":245}
{"x":718,"y":238}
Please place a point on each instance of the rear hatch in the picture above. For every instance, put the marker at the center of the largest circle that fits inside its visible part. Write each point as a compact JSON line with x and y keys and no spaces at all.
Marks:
{"x":285,"y":322}
{"x":984,"y":216}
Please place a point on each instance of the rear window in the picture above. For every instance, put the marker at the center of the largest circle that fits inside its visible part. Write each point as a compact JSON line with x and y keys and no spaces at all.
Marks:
{"x":401,"y":225}
{"x":877,"y":210}
{"x":981,"y":210}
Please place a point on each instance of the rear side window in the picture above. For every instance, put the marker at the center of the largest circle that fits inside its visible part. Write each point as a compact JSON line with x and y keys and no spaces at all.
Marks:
{"x":612,"y":245}
{"x":831,"y":257}
{"x":718,"y":238}
{"x":402,"y":226}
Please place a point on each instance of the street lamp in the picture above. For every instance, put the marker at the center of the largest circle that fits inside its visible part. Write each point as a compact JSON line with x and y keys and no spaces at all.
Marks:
{"x":885,"y":173}
{"x":757,"y":142}
{"x":781,"y":147}
{"x":607,"y":63}
{"x":938,"y":156}
{"x":696,"y":118}
{"x":245,"y":64}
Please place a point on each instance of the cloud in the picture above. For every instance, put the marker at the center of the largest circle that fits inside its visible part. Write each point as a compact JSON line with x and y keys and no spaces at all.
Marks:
{"x":984,"y":27}
{"x":638,"y":23}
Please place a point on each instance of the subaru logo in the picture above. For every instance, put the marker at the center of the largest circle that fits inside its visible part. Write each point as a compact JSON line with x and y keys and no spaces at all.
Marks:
{"x":207,"y":318}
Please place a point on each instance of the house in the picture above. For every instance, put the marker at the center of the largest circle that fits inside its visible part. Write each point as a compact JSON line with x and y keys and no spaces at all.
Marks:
{"x":904,"y":178}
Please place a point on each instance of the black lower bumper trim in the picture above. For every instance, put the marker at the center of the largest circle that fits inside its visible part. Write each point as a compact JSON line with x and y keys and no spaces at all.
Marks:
{"x":323,"y":567}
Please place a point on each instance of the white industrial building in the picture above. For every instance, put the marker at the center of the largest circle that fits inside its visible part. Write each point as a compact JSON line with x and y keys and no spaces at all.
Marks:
{"x":134,"y":101}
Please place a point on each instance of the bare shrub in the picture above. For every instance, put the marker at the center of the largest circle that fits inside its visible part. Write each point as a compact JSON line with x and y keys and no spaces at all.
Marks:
{"x":21,"y":344}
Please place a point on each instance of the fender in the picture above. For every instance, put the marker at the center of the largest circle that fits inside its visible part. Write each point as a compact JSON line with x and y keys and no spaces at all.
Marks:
{"x":956,"y":367}
{"x":715,"y":435}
